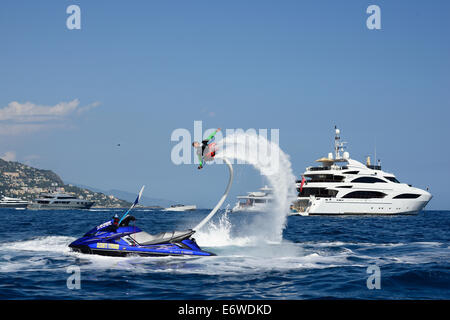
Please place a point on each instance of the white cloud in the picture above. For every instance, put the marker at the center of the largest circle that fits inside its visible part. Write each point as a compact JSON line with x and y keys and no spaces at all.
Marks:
{"x":88,"y":107}
{"x":22,"y":118}
{"x":30,"y":112}
{"x":13,"y":129}
{"x":9,"y":156}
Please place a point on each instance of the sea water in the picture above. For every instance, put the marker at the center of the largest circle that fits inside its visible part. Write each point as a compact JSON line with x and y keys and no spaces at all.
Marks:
{"x":318,"y":257}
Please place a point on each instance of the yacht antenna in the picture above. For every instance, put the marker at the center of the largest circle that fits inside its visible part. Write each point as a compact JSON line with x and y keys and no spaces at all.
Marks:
{"x":338,"y":145}
{"x":336,"y":142}
{"x":375,"y":147}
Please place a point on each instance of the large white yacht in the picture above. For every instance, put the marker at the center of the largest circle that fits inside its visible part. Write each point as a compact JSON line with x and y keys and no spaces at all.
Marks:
{"x":60,"y":201}
{"x":343,"y":186}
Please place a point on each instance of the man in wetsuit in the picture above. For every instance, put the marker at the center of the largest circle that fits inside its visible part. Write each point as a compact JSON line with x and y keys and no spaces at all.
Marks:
{"x":115,"y":223}
{"x":116,"y":220}
{"x":205,"y":152}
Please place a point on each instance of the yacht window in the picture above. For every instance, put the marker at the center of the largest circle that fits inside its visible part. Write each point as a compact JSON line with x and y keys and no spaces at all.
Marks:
{"x":393,"y":179}
{"x":407,"y":196}
{"x":319,"y":168}
{"x":324,"y":178}
{"x":351,"y":172}
{"x":318,"y":192}
{"x":349,"y":187}
{"x":364,"y":194}
{"x":368,"y":180}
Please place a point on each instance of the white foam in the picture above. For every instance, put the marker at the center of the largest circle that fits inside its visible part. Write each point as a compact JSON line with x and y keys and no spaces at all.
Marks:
{"x":236,"y":255}
{"x":24,"y":255}
{"x":275,"y":166}
{"x":219,"y":235}
{"x":48,"y":243}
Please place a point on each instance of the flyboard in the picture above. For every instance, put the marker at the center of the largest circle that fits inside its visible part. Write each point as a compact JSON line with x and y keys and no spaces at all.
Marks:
{"x":121,"y":239}
{"x":224,"y":196}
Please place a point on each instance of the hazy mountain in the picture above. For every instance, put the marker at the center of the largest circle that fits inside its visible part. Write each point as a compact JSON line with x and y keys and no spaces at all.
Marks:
{"x":130,"y":196}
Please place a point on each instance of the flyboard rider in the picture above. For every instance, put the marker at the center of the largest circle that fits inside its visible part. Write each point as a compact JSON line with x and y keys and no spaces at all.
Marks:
{"x":205,"y":150}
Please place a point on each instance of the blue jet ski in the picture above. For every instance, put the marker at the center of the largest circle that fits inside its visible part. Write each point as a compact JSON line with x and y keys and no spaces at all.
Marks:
{"x":117,"y":238}
{"x":111,"y":240}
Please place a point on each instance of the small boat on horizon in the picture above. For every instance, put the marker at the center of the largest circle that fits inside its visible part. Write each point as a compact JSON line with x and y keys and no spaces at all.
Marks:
{"x":13,"y":203}
{"x":181,"y":207}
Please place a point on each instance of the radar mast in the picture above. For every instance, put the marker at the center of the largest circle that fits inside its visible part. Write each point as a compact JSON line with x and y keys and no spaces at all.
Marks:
{"x":338,"y":145}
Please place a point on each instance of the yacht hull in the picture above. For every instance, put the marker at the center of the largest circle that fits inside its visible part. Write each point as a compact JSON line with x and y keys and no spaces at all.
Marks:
{"x":253,"y":208}
{"x":39,"y":206}
{"x":13,"y":206}
{"x":181,"y":208}
{"x":330,"y":206}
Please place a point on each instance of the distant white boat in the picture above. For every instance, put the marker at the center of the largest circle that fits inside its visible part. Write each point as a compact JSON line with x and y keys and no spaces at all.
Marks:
{"x":13,"y":203}
{"x":254,"y":201}
{"x":60,"y":201}
{"x":181,"y":207}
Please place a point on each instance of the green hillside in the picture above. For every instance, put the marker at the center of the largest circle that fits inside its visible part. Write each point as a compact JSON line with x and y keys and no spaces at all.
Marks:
{"x":21,"y":181}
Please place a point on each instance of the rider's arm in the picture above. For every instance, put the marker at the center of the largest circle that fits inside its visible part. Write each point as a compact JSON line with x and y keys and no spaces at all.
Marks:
{"x":212,"y":134}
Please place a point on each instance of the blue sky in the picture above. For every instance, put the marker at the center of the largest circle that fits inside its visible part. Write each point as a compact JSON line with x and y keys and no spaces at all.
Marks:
{"x":137,"y":70}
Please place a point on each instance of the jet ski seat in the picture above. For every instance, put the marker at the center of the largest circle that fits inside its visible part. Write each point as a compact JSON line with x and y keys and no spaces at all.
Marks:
{"x":144,"y":238}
